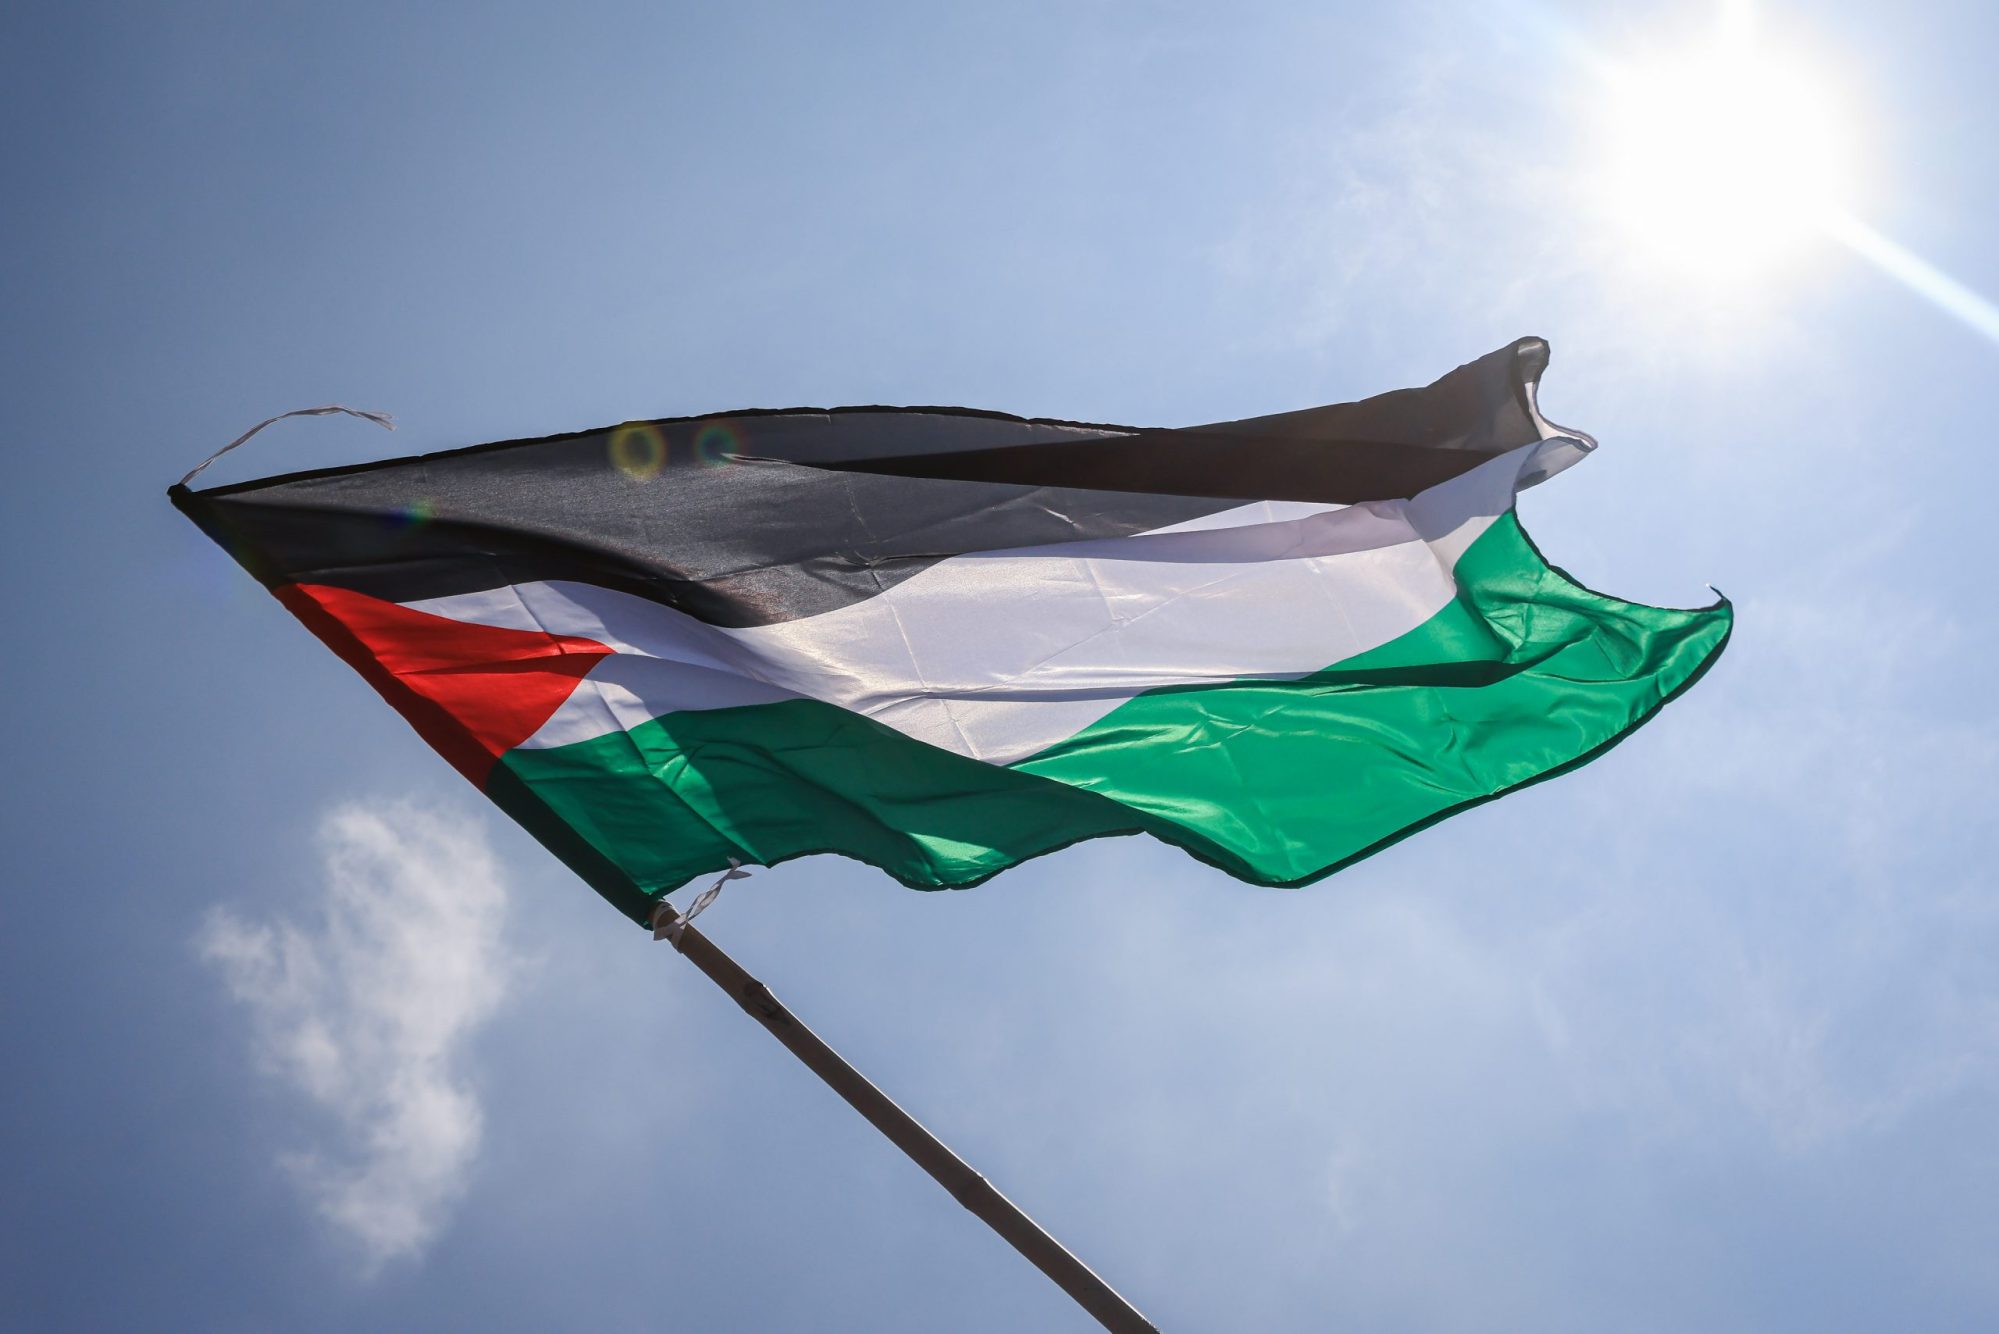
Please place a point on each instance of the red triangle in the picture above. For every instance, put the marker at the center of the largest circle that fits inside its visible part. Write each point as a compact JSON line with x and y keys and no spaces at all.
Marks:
{"x":473,"y":692}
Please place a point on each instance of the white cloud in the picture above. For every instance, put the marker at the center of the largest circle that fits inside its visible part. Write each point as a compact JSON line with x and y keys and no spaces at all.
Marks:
{"x":1345,"y":1183}
{"x":368,"y":1011}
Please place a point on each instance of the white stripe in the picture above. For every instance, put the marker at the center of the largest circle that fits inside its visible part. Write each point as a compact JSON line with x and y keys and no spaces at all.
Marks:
{"x":1257,"y":511}
{"x":1001,"y":654}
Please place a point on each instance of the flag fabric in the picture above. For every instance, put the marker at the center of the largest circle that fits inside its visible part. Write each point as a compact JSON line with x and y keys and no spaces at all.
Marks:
{"x":944,"y":641}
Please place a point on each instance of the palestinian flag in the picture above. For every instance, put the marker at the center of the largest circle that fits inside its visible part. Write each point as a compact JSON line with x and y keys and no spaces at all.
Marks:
{"x":943,"y":641}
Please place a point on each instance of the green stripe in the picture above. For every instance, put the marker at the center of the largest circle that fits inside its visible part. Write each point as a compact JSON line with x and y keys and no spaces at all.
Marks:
{"x":1277,"y":782}
{"x":644,"y":811}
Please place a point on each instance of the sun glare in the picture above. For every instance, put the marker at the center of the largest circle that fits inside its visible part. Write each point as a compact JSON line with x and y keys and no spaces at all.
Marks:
{"x":1721,"y":161}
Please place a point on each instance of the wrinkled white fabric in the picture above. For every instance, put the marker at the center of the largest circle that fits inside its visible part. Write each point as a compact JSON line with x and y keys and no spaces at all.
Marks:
{"x":998,"y":655}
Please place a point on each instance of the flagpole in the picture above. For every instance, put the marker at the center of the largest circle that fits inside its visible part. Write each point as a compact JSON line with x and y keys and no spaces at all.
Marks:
{"x":905,"y":1131}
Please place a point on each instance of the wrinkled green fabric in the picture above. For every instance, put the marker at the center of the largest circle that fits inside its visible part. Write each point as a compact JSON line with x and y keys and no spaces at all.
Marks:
{"x":1525,"y":675}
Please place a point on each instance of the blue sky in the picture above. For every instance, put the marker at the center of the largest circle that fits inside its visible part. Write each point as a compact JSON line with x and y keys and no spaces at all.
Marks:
{"x":299,"y":1035}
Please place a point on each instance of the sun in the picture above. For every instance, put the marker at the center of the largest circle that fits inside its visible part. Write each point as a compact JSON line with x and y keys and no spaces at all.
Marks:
{"x":1719,"y":163}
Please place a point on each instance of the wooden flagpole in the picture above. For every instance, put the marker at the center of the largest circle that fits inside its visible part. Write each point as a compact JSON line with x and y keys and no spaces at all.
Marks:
{"x":903,"y":1130}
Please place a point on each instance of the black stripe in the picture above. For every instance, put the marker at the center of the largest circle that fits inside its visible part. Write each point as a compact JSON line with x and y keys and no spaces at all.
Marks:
{"x":1201,"y":461}
{"x":1383,"y":448}
{"x":747,"y":542}
{"x":758,"y":517}
{"x":801,"y":435}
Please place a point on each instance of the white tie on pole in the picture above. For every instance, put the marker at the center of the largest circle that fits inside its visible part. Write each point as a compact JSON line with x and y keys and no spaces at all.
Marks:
{"x":670,"y":930}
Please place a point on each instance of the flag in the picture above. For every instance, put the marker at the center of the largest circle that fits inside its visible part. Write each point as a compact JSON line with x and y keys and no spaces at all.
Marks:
{"x":944,"y":641}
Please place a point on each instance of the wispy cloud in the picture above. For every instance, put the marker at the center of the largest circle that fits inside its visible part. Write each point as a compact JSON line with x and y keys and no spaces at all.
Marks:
{"x":368,"y":1009}
{"x":1832,"y":979}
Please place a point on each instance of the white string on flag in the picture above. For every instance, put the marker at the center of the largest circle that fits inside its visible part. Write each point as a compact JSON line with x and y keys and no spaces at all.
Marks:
{"x":381,"y":419}
{"x":671,"y":930}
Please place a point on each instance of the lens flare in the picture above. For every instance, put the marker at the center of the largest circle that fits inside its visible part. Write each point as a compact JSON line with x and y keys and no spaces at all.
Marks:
{"x":1974,"y":310}
{"x":716,"y":443}
{"x":638,"y":450}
